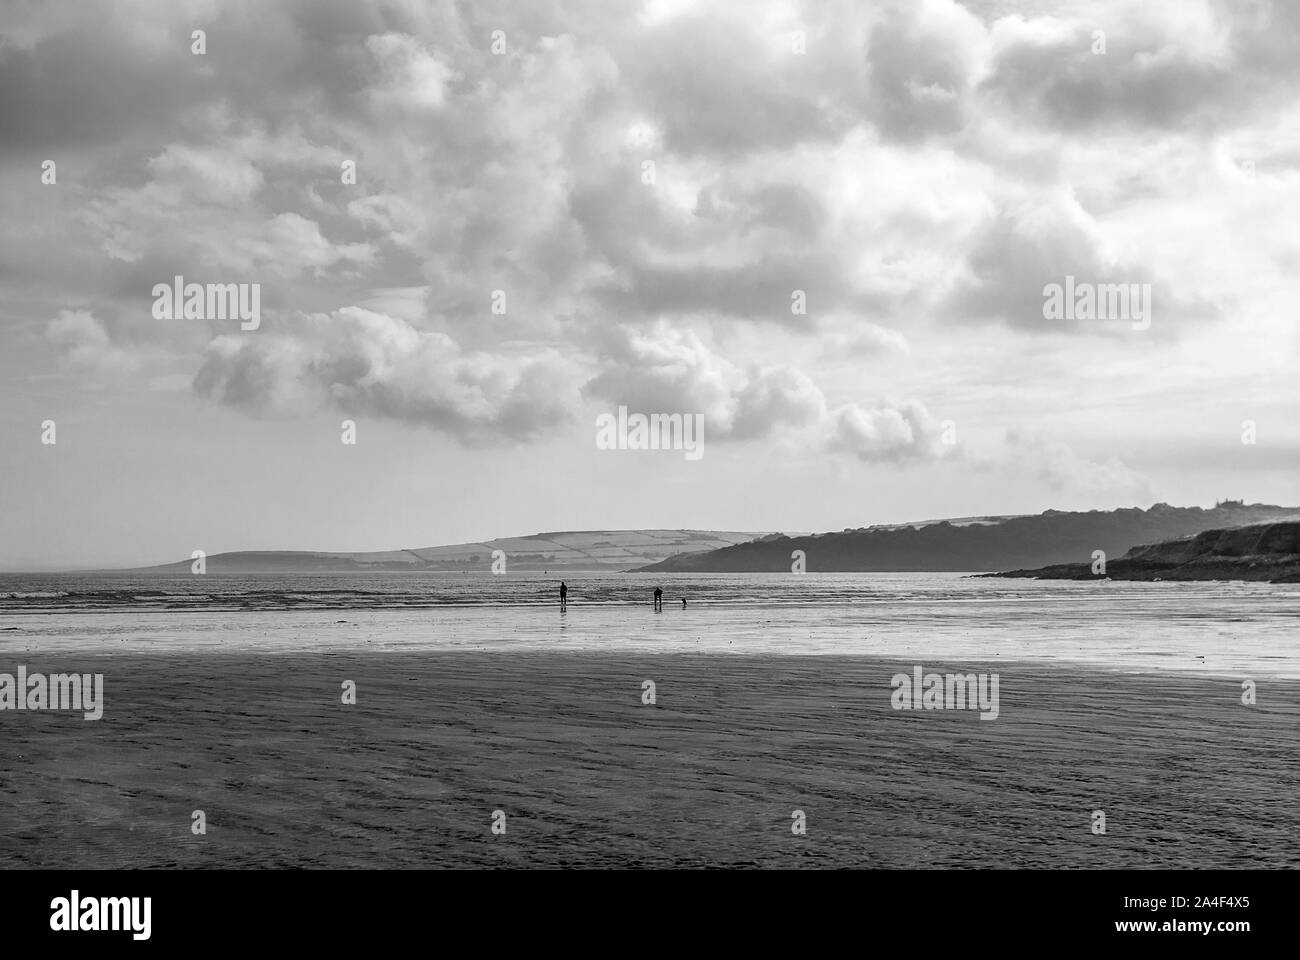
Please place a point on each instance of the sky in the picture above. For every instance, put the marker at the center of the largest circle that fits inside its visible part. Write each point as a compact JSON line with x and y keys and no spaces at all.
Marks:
{"x":827,"y":228}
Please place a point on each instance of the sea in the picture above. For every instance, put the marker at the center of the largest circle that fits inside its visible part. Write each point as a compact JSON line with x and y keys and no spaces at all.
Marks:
{"x":1236,"y":629}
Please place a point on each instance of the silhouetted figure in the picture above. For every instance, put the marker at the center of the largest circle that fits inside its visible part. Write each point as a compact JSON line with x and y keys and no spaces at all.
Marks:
{"x":659,"y":598}
{"x":683,"y":603}
{"x":564,"y":594}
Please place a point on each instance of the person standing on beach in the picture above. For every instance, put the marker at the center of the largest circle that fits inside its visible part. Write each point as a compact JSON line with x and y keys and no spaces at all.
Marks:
{"x":564,"y":594}
{"x":683,"y":603}
{"x":659,"y":598}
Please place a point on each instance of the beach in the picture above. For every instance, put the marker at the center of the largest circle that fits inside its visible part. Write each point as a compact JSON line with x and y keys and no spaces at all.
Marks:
{"x":588,"y":775}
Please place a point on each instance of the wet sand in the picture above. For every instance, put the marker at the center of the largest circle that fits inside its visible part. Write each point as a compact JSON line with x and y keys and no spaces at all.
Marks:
{"x":587,"y":775}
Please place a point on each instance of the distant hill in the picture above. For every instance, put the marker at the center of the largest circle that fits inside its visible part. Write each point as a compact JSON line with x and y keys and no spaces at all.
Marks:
{"x":988,"y":544}
{"x":1264,"y":551}
{"x":591,"y":550}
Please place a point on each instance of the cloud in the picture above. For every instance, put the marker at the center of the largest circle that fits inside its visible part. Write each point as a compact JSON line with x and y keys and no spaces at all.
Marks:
{"x":390,"y":214}
{"x":1055,"y":465}
{"x":365,"y":363}
{"x":184,"y":173}
{"x":1038,"y":242}
{"x":666,"y":370}
{"x":923,"y":59}
{"x":773,"y":398}
{"x":662,"y":370}
{"x":200,"y":208}
{"x":85,"y":347}
{"x":1056,"y":80}
{"x":716,"y":85}
{"x":413,"y":78}
{"x":1213,"y":65}
{"x":896,"y":432}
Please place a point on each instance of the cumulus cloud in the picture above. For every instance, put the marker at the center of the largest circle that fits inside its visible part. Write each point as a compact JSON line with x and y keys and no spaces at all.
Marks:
{"x":663,"y":370}
{"x":85,"y":346}
{"x":673,"y":371}
{"x":718,"y":84}
{"x":185,"y":173}
{"x":1032,"y":244}
{"x":896,"y":432}
{"x":198,"y":207}
{"x":360,"y":362}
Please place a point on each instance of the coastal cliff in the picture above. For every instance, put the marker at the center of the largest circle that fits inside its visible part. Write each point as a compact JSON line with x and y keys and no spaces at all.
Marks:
{"x":1264,"y":551}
